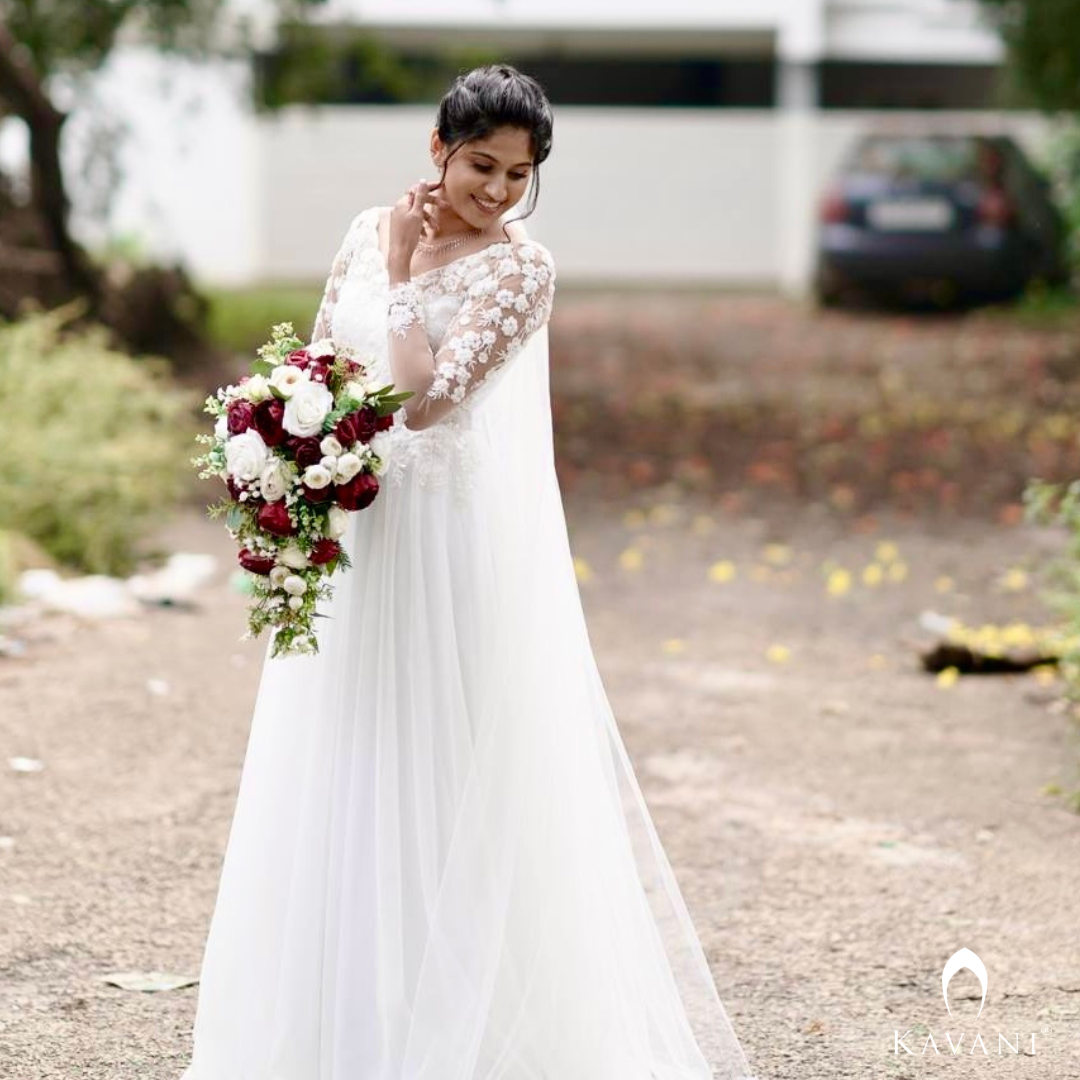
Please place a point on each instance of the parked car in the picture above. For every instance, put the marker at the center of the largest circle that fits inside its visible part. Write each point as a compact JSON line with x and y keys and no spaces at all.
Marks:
{"x":941,"y":216}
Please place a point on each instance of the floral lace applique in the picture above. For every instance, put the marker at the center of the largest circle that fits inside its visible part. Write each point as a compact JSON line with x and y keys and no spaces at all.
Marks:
{"x":339,"y":271}
{"x":505,"y":292}
{"x":508,"y":296}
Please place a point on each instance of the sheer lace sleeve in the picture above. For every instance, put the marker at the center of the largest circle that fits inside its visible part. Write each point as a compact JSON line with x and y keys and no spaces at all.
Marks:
{"x":500,"y":312}
{"x":338,"y":270}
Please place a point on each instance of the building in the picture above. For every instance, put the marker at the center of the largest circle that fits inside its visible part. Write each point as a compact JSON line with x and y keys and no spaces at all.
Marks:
{"x":692,"y":137}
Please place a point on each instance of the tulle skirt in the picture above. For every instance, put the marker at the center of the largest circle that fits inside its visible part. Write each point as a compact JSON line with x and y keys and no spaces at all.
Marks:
{"x":441,"y":866}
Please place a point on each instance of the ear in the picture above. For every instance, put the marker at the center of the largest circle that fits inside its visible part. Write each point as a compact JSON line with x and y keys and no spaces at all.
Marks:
{"x":436,"y":145}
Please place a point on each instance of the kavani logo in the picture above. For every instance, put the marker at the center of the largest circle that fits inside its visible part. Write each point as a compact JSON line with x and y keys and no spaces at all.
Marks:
{"x":963,"y":958}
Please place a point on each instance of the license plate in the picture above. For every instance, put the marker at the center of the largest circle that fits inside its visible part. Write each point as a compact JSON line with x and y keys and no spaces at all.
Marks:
{"x":921,"y":214}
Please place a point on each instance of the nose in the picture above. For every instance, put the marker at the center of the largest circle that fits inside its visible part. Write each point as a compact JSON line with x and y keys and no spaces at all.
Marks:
{"x":495,"y":192}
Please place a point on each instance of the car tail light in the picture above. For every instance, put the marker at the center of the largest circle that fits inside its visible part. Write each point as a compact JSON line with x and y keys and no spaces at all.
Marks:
{"x":996,"y":208}
{"x":834,"y":209}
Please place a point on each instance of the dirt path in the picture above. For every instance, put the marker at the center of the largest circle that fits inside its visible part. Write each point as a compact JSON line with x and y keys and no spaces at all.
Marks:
{"x":841,"y":824}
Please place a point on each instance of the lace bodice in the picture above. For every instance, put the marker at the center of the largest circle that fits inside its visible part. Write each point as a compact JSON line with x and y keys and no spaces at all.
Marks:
{"x":478,"y":311}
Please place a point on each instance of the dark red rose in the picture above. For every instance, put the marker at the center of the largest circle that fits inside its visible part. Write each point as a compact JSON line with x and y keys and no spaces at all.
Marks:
{"x":322,"y":551}
{"x":274,"y":518}
{"x":268,"y":416}
{"x":298,"y":358}
{"x":318,"y":371}
{"x":358,"y":492}
{"x":384,"y":422}
{"x":366,"y":421}
{"x":318,"y":495}
{"x":234,"y":488}
{"x":345,"y":431}
{"x":306,"y":451}
{"x":257,"y":564}
{"x":241,"y":417}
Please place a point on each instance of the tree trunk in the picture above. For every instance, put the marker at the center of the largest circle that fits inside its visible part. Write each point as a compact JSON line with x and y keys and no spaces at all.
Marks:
{"x":22,"y":88}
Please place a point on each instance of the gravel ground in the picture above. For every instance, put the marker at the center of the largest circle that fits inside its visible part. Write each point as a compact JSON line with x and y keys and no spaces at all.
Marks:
{"x":840,"y":822}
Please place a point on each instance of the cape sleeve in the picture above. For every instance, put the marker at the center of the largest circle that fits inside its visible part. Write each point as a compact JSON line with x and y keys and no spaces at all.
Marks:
{"x":500,"y":312}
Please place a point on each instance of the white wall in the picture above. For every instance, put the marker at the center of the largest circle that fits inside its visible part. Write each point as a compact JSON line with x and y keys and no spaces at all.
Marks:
{"x":676,"y":197}
{"x":189,"y":160}
{"x":666,"y":194}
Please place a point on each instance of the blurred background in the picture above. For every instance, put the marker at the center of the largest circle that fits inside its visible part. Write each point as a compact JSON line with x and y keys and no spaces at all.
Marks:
{"x":815,"y":360}
{"x":818,"y":251}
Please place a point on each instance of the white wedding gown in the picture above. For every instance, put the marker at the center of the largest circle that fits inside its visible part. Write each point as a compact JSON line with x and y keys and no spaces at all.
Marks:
{"x":441,"y":866}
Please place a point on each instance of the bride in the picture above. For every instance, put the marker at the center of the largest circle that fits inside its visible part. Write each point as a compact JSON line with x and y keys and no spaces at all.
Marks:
{"x":441,"y":865}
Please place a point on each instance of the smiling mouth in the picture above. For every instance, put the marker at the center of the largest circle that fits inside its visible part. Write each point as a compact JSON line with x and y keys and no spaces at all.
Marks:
{"x":486,"y":207}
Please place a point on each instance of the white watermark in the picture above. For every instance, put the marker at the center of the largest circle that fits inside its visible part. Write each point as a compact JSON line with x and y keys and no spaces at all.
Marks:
{"x":1006,"y":1044}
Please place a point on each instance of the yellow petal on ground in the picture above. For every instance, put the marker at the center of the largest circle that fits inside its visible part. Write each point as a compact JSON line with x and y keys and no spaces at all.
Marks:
{"x":1045,"y":674}
{"x":897,"y":571}
{"x":634,"y":519}
{"x":886,"y":551}
{"x":947,"y":677}
{"x":722,"y":571}
{"x":778,"y":654}
{"x":839,"y":583}
{"x":582,"y":569}
{"x":631,"y":558}
{"x":877,"y":662}
{"x":872,"y":574}
{"x":944,"y":584}
{"x":673,"y":645}
{"x":703,"y":524}
{"x":1014,"y":580}
{"x":664,"y":513}
{"x":1017,"y":635}
{"x":776,"y":554}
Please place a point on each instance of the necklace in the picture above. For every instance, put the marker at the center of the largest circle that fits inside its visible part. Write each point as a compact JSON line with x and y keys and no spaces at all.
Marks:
{"x":447,"y":245}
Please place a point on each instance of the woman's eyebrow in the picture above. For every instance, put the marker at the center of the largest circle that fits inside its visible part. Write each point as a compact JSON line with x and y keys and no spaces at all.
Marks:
{"x":520,"y":165}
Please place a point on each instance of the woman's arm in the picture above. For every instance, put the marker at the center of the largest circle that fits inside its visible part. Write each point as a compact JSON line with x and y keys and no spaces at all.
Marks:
{"x":500,"y":311}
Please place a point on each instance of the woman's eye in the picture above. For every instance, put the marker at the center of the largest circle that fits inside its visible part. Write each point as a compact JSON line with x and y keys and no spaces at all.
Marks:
{"x":487,"y":168}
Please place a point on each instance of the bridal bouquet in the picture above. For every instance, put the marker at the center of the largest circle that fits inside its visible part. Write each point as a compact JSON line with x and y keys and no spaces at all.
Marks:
{"x":300,"y":443}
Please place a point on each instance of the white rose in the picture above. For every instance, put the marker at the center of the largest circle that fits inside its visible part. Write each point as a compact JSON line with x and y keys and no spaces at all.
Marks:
{"x":329,"y":464}
{"x":356,"y":388}
{"x":274,"y":480}
{"x":256,"y":389}
{"x":324,"y":347}
{"x":317,"y":476}
{"x":338,"y":523}
{"x":285,"y":378}
{"x":306,"y":409}
{"x":294,"y":585}
{"x":296,"y":602}
{"x":246,"y":455}
{"x":292,"y":556}
{"x":221,"y":428}
{"x":278,"y":576}
{"x":348,"y":465}
{"x":331,"y":446}
{"x":380,"y":444}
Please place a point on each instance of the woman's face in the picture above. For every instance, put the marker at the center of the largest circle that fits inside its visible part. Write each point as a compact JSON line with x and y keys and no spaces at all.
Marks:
{"x":485,"y":177}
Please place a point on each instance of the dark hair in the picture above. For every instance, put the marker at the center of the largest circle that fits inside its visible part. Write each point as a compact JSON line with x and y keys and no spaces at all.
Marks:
{"x":490,"y":97}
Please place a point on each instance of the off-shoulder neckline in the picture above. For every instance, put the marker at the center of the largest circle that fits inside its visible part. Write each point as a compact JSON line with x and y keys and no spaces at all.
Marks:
{"x":374,"y":222}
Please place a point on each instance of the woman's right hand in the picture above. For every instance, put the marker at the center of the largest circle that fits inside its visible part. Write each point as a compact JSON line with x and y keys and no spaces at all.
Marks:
{"x":407,"y":219}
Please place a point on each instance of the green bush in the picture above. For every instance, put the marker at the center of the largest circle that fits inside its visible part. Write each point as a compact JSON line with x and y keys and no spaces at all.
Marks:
{"x":95,"y":442}
{"x":240,"y":319}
